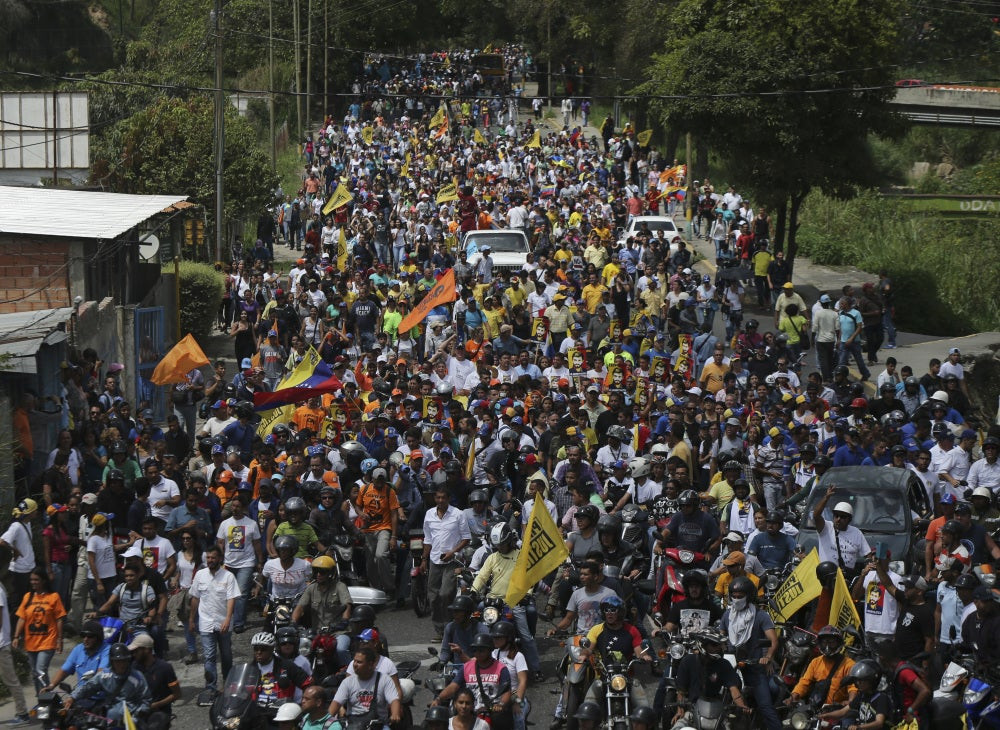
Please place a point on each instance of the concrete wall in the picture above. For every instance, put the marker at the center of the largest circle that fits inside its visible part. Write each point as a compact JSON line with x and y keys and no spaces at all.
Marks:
{"x":34,"y":274}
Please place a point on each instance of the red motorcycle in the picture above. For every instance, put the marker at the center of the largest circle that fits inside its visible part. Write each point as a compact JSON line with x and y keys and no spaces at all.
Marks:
{"x":669,"y":569}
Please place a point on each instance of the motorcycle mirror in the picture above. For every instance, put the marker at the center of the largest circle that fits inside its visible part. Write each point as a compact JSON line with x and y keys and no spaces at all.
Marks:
{"x":658,"y":618}
{"x":432,"y":650}
{"x":584,"y":643}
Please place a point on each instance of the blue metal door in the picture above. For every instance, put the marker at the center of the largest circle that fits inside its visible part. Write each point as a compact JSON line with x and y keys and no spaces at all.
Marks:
{"x":149,"y":349}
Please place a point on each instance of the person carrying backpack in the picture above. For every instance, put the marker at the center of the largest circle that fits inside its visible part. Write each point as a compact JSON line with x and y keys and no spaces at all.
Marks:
{"x":907,"y":688}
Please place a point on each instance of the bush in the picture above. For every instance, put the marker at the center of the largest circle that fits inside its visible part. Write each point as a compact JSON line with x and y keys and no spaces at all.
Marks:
{"x":201,"y":290}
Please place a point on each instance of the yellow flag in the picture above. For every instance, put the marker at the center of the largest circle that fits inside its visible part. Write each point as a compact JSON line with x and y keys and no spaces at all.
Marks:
{"x":302,"y":372}
{"x":448,"y":192}
{"x":489,"y":48}
{"x":477,"y":137}
{"x":404,"y":171}
{"x":801,"y":587}
{"x":439,"y":117}
{"x":842,"y":610}
{"x":542,"y":551}
{"x":341,"y":196}
{"x":643,"y":137}
{"x":342,"y":251}
{"x":535,"y":141}
{"x":470,"y":462}
{"x":368,"y":135}
{"x":127,"y":720}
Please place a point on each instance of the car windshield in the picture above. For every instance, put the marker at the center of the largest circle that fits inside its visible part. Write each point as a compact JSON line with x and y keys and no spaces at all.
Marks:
{"x":875,"y":510}
{"x":501,"y":242}
{"x":658,"y":225}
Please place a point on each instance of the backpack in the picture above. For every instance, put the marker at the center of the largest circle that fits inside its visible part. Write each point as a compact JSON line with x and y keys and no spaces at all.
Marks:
{"x":895,"y":694}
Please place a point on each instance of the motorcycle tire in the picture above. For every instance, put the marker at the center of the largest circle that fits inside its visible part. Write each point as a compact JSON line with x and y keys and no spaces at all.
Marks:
{"x":574,"y":698}
{"x":418,"y":592}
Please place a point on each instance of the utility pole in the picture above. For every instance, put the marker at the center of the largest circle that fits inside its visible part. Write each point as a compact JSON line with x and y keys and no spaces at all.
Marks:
{"x":220,"y":130}
{"x":326,"y":54}
{"x":270,"y":74}
{"x":309,"y":66}
{"x":548,"y":42}
{"x":298,"y":70}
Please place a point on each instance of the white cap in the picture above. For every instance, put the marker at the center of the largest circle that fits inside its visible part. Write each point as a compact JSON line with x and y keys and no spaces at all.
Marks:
{"x":940,"y":395}
{"x":288,"y":711}
{"x":982,"y":492}
{"x":845,"y":508}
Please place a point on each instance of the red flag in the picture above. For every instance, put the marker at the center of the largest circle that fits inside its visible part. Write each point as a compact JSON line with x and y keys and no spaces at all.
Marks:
{"x":442,"y":293}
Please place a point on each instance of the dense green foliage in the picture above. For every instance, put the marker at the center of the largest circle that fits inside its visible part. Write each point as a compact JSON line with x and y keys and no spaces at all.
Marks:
{"x":945,"y":278}
{"x":201,"y":290}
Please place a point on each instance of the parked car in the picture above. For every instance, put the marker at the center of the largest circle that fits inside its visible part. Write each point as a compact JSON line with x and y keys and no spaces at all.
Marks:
{"x":509,"y":248}
{"x":655,"y":223}
{"x":888,"y":503}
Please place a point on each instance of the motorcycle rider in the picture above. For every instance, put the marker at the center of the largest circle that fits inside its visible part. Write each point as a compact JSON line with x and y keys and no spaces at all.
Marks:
{"x":279,"y":677}
{"x":478,"y":514}
{"x":585,"y":602}
{"x":164,"y":688}
{"x":747,"y":627}
{"x":120,"y":683}
{"x":911,"y":693}
{"x":286,"y":573}
{"x":366,"y":694}
{"x":841,"y":542}
{"x":579,"y":543}
{"x":489,"y":680}
{"x":868,"y":709}
{"x":774,"y":548}
{"x":504,"y":636}
{"x":90,"y":655}
{"x":328,"y":603}
{"x":456,"y":642}
{"x":615,"y":636}
{"x":697,"y":611}
{"x":822,"y":683}
{"x":690,"y":528}
{"x":705,"y":675}
{"x":496,"y":572}
{"x":287,"y":640}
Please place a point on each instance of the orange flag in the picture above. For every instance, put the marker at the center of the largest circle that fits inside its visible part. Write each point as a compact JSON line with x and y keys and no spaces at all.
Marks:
{"x":183,"y":357}
{"x":442,"y":293}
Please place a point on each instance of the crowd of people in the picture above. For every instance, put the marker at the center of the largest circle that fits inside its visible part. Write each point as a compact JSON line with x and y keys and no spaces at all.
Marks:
{"x":588,"y":379}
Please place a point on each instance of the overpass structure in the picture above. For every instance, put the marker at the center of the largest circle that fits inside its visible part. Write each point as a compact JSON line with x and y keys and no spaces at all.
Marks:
{"x":949,"y":106}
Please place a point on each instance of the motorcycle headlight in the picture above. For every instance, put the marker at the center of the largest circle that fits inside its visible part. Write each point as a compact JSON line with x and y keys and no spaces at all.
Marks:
{"x":800,"y":720}
{"x":491,"y":614}
{"x":283,"y":613}
{"x":772,"y":583}
{"x":975,"y":696}
{"x":685,"y":556}
{"x":42,"y":713}
{"x":576,"y":653}
{"x":677,"y":651}
{"x":232,"y":723}
{"x":619,"y":683}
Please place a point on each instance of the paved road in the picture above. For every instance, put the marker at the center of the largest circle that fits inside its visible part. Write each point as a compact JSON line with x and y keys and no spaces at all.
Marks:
{"x":408,"y":637}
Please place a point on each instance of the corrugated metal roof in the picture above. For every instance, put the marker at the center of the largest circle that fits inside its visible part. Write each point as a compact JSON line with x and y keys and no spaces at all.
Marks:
{"x":23,"y":333}
{"x":76,"y":213}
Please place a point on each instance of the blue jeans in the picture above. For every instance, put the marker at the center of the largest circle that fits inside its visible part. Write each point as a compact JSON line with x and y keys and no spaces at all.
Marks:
{"x":757,"y":684}
{"x":890,"y":327}
{"x":244,"y":579}
{"x":213,"y":642}
{"x":847,"y":350}
{"x":38,"y":663}
{"x":62,"y":578}
{"x":528,"y":646}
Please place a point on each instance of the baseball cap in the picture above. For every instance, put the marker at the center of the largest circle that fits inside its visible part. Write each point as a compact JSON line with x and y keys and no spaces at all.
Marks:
{"x":825,"y":299}
{"x":141,"y":641}
{"x":788,"y":285}
{"x":379,"y":474}
{"x":89,"y":498}
{"x":915,"y":581}
{"x":246,"y":363}
{"x":968,"y":434}
{"x":734,"y":536}
{"x":735,"y":558}
{"x":954,"y":351}
{"x":948,"y":498}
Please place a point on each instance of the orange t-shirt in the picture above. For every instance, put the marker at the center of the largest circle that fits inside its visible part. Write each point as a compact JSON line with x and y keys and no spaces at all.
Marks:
{"x":311,"y":418}
{"x":378,"y":506}
{"x":40,"y":612}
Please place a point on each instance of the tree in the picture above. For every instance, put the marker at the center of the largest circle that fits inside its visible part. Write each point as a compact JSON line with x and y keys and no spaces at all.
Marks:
{"x":788,"y":93}
{"x":167,"y":147}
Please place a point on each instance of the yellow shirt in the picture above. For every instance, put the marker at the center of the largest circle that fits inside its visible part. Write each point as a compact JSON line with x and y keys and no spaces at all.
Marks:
{"x":712,"y":375}
{"x":562,"y":255}
{"x":761,"y":260}
{"x":609,"y":272}
{"x":497,"y":570}
{"x":722,"y":492}
{"x":560,"y":318}
{"x":574,"y":219}
{"x":592,"y":296}
{"x":654,"y":300}
{"x":517,"y":296}
{"x":595,"y":255}
{"x":722,"y":585}
{"x":494,"y":318}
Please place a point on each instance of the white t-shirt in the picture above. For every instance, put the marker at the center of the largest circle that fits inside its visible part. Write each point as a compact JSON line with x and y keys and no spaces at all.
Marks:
{"x":104,"y":556}
{"x":162,"y":490}
{"x":853,"y":545}
{"x":186,"y":570}
{"x":290,"y":582}
{"x":881,"y":609}
{"x":947,"y":368}
{"x":238,"y":537}
{"x":18,"y":536}
{"x":156,"y":552}
{"x":213,"y":592}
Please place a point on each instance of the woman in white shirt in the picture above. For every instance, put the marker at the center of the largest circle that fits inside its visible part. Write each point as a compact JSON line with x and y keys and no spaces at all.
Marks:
{"x":189,"y":562}
{"x":504,"y":636}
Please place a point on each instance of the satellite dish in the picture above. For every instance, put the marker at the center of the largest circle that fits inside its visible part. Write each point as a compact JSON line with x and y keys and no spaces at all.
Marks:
{"x":149,"y":248}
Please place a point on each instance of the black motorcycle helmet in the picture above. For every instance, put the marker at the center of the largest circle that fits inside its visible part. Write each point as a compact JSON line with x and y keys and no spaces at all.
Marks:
{"x":287,"y":635}
{"x":363,"y":614}
{"x":503,"y":630}
{"x":967,"y":581}
{"x":695,"y":576}
{"x":822,"y":462}
{"x":644,"y":714}
{"x":115,"y":475}
{"x":742,"y":584}
{"x":481,"y":641}
{"x":438,"y":713}
{"x":688,"y":498}
{"x":588,"y":512}
{"x":830,"y":640}
{"x":866,"y":669}
{"x":588,"y":711}
{"x":826,"y":571}
{"x":740,"y":484}
{"x":462,"y":603}
{"x":119,"y":652}
{"x":609,"y":525}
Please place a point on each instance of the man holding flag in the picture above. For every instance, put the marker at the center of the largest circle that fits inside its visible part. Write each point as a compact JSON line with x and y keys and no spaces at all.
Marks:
{"x":511,"y":573}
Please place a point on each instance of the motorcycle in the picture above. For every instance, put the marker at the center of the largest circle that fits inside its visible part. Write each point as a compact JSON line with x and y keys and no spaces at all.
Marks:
{"x":418,"y":581}
{"x":278,"y":611}
{"x":578,"y":670}
{"x":946,"y":710}
{"x":798,"y":645}
{"x":237,"y":705}
{"x":344,"y":547}
{"x":322,"y":653}
{"x":805,"y":716}
{"x":444,"y":673}
{"x":635,"y":526}
{"x":616,"y":681}
{"x":978,"y":699}
{"x":674,"y":563}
